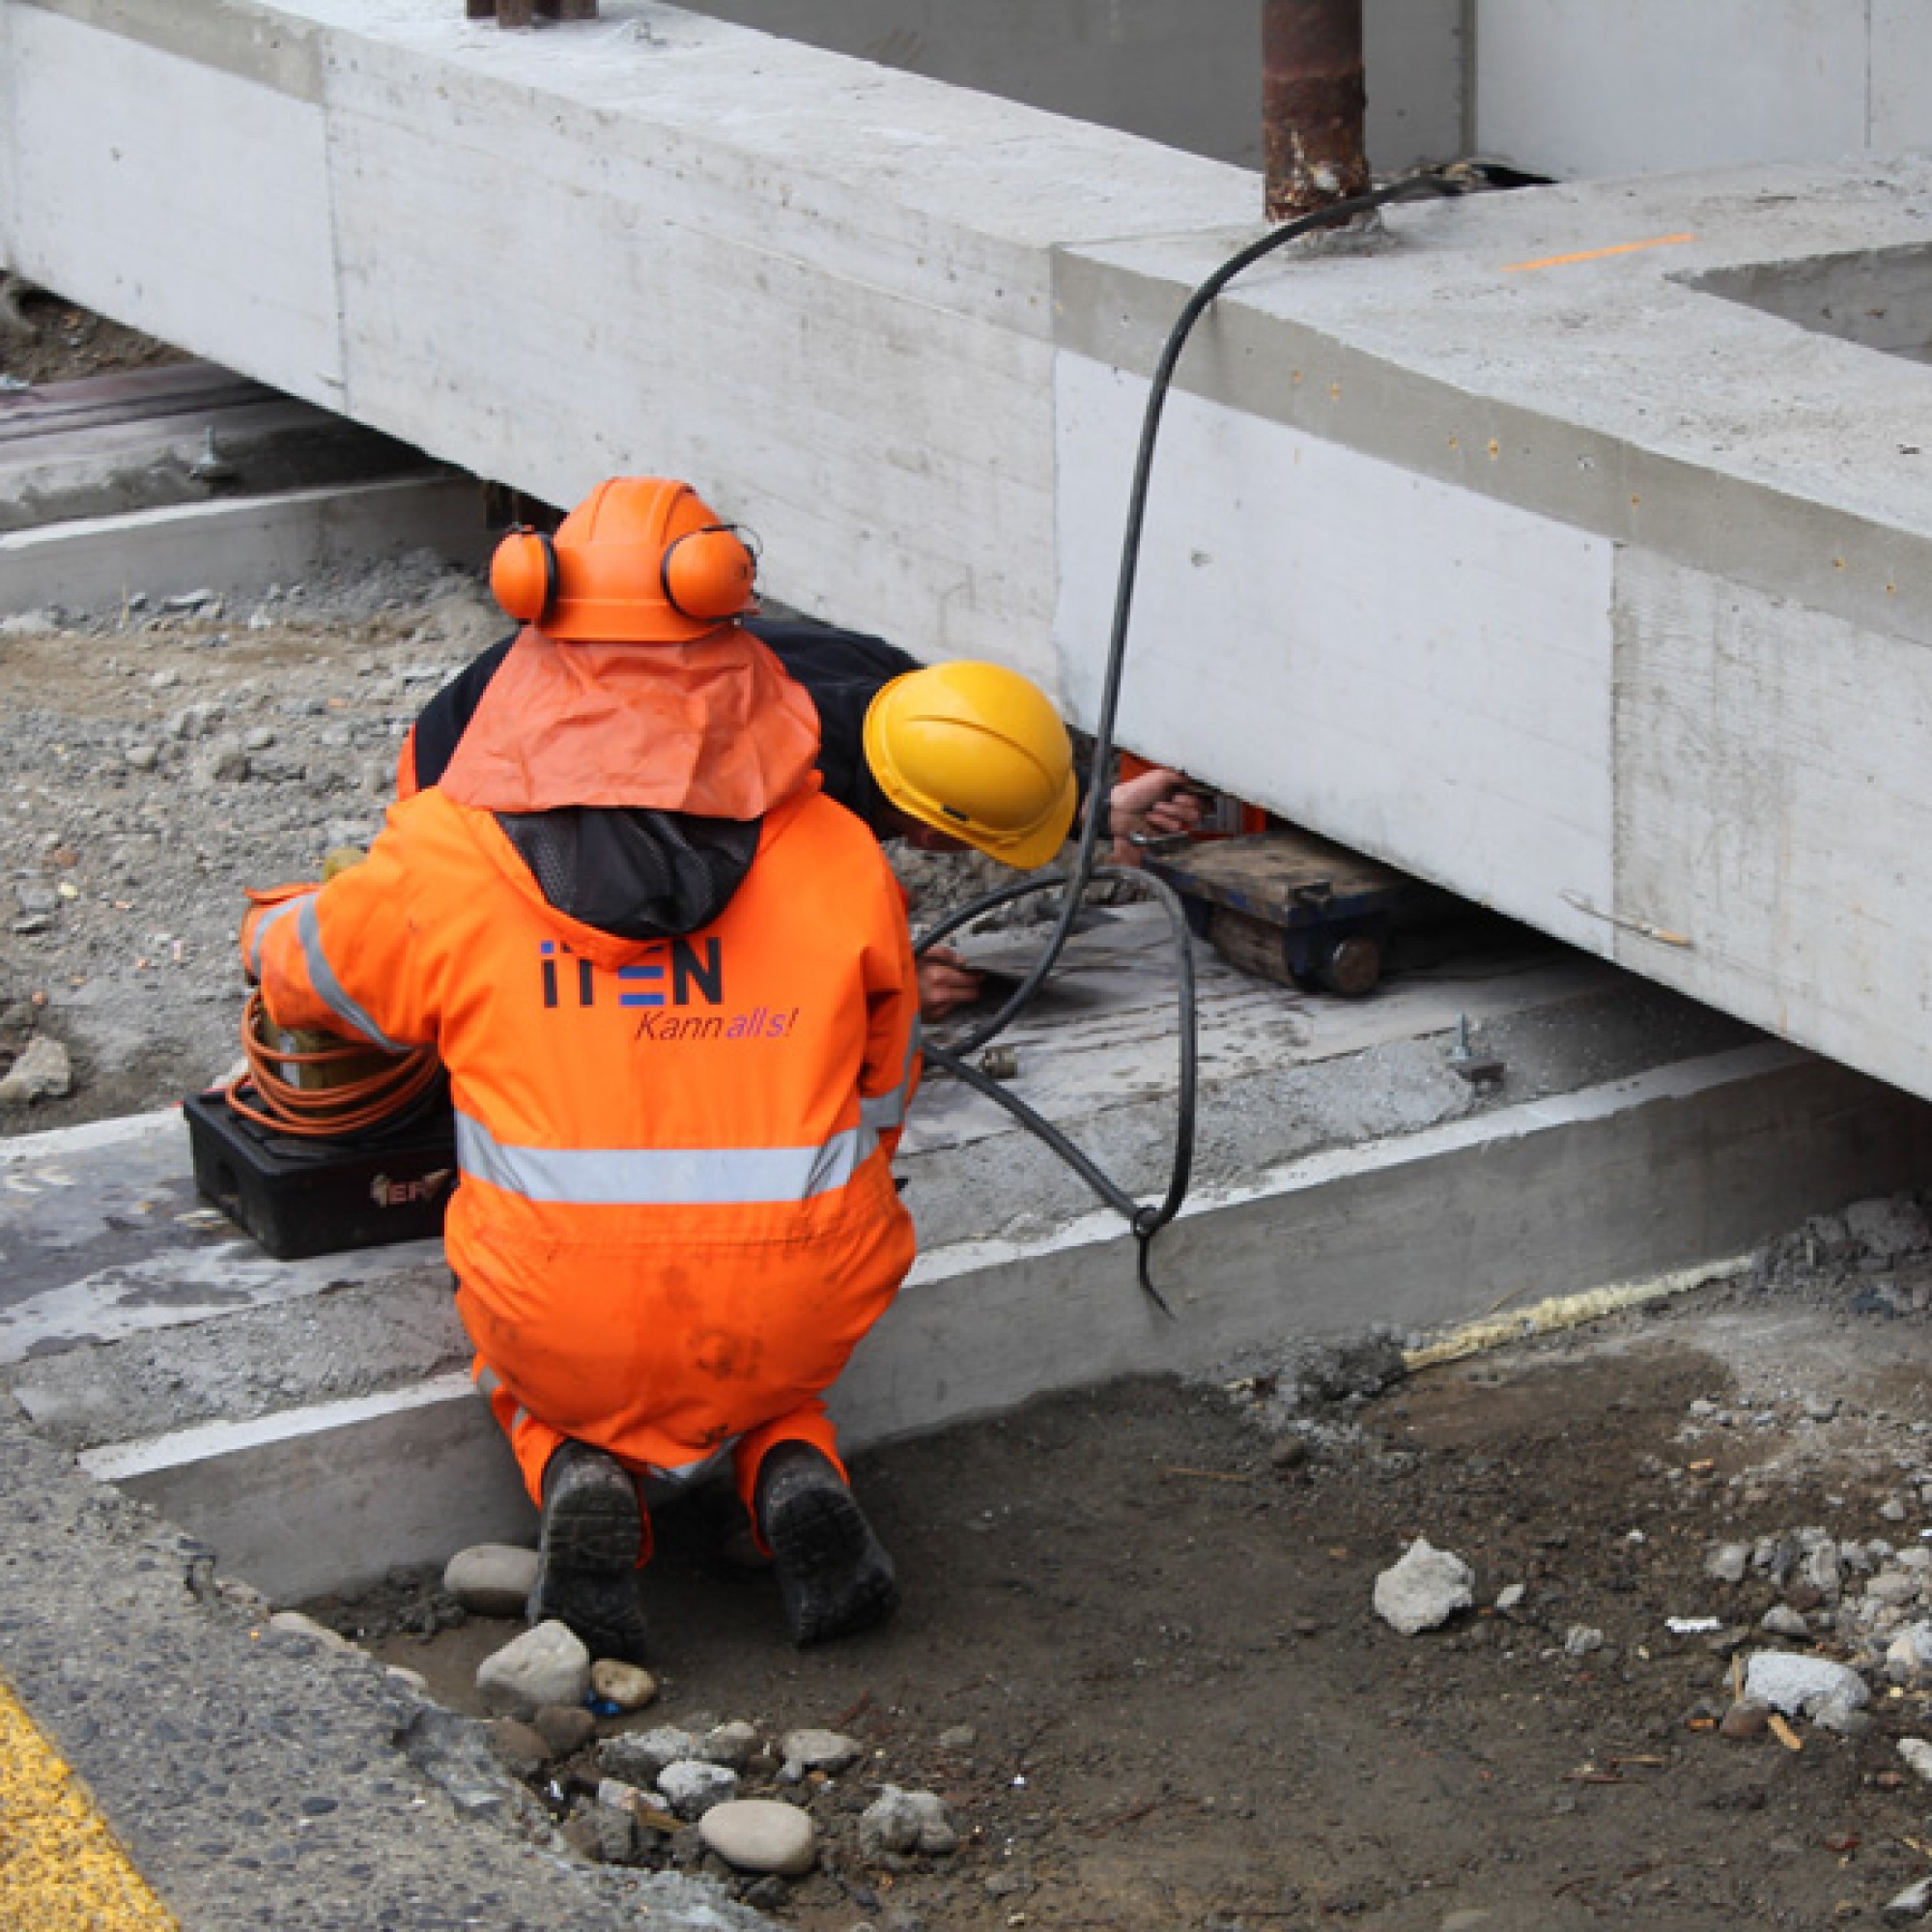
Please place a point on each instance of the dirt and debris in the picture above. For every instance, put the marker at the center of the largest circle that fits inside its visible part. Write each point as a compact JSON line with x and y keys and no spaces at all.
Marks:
{"x":46,"y":338}
{"x":1138,"y":1659}
{"x":1139,"y":1662}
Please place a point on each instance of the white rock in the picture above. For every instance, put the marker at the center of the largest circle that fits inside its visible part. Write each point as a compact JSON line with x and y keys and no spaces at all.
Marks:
{"x":628,"y":1686}
{"x":1908,"y":1907}
{"x":545,"y":1665}
{"x":761,"y":1835}
{"x":1425,"y":1588}
{"x":730,"y":1745}
{"x":1896,"y":1587}
{"x":42,"y":1072}
{"x":1510,"y":1596}
{"x":1822,"y":1569}
{"x":1917,"y":1754}
{"x":491,"y":1579}
{"x":641,"y":1755}
{"x":690,"y":1789}
{"x":1790,"y":1682}
{"x":1909,"y":1653}
{"x":1781,"y":1620}
{"x":1727,"y":1563}
{"x":820,"y":1750}
{"x":899,"y":1822}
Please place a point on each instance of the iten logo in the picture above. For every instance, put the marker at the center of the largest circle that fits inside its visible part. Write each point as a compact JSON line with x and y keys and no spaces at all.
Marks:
{"x":425,"y":1187}
{"x":671,"y":973}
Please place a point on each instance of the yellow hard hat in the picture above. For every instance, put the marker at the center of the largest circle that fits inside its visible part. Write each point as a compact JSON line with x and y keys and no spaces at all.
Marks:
{"x":977,"y":751}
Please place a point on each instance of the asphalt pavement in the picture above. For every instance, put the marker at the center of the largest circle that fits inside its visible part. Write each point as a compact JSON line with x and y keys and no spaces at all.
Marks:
{"x":253,"y":1779}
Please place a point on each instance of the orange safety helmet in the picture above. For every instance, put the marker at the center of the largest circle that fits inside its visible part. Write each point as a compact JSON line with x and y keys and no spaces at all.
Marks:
{"x":641,"y":561}
{"x":977,"y":751}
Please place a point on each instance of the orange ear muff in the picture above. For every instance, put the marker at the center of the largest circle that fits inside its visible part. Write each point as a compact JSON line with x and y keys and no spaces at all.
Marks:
{"x":709,"y":572}
{"x":522,"y":575}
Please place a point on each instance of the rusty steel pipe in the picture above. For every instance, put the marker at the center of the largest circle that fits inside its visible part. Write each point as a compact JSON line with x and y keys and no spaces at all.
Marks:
{"x":1314,"y":101}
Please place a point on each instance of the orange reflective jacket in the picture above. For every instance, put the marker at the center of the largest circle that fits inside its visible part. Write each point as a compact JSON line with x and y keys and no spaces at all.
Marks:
{"x":675,"y":1215}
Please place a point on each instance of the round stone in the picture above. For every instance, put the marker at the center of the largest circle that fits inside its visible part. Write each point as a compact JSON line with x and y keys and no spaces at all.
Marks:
{"x":628,"y":1686}
{"x":491,"y":1579}
{"x":761,"y":1835}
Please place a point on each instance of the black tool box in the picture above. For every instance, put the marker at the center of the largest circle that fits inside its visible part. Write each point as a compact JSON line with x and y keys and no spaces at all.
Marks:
{"x":1296,"y":908}
{"x":301,"y":1197}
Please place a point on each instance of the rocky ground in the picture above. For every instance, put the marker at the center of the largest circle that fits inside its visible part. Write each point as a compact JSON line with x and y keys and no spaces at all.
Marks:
{"x":1152,"y":1670}
{"x":159,"y":762}
{"x":1146,"y":1666}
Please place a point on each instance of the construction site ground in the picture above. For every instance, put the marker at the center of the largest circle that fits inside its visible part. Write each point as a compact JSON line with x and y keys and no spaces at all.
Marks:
{"x":1139,"y":1654}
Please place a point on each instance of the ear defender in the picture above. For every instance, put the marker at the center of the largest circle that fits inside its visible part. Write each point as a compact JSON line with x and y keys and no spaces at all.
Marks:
{"x":522,"y":575}
{"x":708,"y":573}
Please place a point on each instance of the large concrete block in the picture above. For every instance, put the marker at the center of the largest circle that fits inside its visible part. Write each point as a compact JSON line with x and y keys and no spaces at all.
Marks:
{"x":169,"y":168}
{"x":1771,"y":810}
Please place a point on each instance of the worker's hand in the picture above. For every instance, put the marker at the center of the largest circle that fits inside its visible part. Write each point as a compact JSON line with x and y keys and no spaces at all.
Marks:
{"x":1156,"y":804}
{"x":945,"y":984}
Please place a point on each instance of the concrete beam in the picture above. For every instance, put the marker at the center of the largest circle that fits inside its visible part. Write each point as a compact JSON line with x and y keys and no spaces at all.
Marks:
{"x":1421,"y":1233}
{"x":242,"y":547}
{"x":1446,"y":530}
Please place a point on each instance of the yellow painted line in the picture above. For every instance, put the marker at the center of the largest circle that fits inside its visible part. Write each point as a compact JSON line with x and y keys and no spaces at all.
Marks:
{"x":60,"y":1868}
{"x":1597,"y":254}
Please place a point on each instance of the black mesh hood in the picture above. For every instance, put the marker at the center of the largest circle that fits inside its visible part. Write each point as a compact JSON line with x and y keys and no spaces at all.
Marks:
{"x":632,"y":874}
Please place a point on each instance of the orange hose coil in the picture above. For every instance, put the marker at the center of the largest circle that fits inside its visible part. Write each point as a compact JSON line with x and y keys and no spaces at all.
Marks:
{"x":359,"y":1086}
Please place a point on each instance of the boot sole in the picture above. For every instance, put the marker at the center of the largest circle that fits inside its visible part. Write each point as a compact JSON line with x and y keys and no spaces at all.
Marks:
{"x":599,"y":1529}
{"x":589,"y":1547}
{"x":833,"y":1577}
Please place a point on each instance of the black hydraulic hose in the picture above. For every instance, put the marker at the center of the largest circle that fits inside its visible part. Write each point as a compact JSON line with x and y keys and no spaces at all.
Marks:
{"x":1146,"y":1222}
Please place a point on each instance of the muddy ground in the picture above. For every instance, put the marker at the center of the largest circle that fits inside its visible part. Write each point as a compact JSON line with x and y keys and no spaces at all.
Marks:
{"x":1139,"y":1654}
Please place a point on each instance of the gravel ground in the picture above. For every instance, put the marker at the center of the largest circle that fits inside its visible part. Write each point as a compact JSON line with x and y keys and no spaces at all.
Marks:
{"x":155,"y":763}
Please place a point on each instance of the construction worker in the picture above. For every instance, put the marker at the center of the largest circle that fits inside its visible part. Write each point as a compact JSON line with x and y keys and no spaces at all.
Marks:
{"x":674,"y":989}
{"x":952,"y":756}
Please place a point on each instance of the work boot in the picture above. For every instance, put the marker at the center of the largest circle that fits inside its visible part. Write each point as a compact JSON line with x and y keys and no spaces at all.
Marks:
{"x":833,"y":1575}
{"x":593,"y":1526}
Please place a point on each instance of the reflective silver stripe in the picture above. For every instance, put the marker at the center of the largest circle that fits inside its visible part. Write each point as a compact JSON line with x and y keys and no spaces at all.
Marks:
{"x":519,"y":1418}
{"x":662,"y":1176}
{"x":889,"y":1110}
{"x":272,"y":917}
{"x":328,"y":988}
{"x":488,"y":1380}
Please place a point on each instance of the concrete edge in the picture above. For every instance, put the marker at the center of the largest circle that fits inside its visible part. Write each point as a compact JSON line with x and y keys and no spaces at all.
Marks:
{"x":240,"y":547}
{"x":1416,"y":1234}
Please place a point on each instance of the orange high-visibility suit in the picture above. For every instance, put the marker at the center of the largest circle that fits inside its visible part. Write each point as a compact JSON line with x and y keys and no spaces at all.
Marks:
{"x":675,"y":1216}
